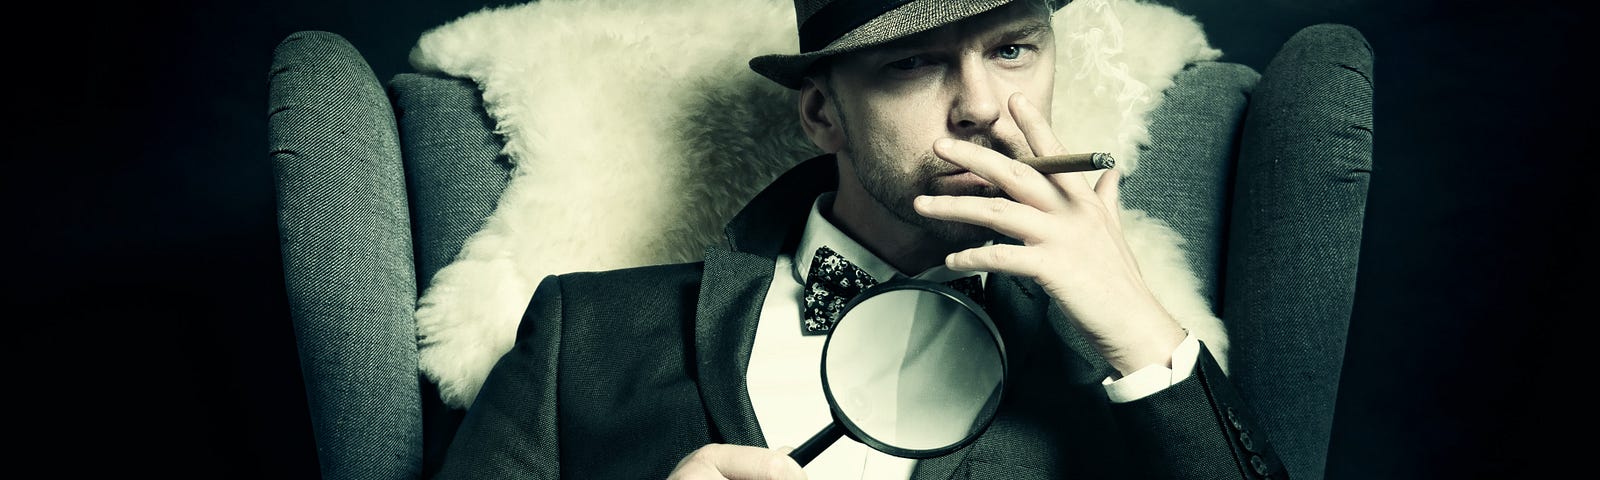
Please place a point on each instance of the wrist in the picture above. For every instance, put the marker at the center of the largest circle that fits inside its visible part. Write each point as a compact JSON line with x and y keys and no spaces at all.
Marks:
{"x":1143,"y":347}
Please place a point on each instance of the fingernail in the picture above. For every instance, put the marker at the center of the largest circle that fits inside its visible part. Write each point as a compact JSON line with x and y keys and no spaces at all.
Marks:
{"x":942,"y":143}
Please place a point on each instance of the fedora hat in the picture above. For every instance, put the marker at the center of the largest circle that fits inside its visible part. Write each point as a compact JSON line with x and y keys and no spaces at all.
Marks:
{"x":831,"y":27}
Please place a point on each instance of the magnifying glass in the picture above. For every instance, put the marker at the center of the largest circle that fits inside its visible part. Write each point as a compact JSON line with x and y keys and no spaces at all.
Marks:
{"x":913,"y":369}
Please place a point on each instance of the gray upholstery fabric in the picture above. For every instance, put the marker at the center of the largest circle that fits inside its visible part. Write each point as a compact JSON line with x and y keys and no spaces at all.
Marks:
{"x":455,"y":173}
{"x":1299,"y":202}
{"x":1184,"y":174}
{"x":454,"y":167}
{"x":346,"y":240}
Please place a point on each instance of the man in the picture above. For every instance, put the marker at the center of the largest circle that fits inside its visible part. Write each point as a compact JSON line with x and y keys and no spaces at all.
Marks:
{"x":693,"y":370}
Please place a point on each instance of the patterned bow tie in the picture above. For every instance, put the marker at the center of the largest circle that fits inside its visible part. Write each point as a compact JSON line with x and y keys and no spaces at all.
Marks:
{"x":834,"y":281}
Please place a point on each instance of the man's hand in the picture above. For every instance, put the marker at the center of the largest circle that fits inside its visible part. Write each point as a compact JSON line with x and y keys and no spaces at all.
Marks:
{"x":737,"y":462}
{"x":1072,"y":243}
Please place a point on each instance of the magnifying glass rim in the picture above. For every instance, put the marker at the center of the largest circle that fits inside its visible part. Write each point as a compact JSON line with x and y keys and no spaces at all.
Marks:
{"x":910,"y":284}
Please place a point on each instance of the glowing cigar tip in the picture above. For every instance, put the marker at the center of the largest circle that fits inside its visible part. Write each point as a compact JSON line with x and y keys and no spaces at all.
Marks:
{"x":1103,"y":160}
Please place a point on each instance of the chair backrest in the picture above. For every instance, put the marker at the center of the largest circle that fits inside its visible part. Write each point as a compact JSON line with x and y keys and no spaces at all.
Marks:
{"x":455,"y":172}
{"x":1265,"y":177}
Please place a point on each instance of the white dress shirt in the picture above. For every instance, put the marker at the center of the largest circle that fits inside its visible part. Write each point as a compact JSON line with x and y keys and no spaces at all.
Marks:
{"x":784,"y":375}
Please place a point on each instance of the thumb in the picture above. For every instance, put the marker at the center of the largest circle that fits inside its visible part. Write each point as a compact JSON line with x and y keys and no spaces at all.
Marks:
{"x":1109,"y":190}
{"x":754,"y":463}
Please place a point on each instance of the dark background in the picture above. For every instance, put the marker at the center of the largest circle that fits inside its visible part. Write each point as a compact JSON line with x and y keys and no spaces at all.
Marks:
{"x":154,"y":330}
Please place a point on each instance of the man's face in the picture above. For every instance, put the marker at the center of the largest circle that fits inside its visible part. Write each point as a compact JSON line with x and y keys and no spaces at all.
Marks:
{"x":953,"y":82}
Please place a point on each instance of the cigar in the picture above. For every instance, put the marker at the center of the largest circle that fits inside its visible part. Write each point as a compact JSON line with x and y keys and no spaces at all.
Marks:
{"x":1076,"y":162}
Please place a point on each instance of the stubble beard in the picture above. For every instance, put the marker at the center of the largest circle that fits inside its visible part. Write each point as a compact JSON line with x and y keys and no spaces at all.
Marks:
{"x":895,"y":191}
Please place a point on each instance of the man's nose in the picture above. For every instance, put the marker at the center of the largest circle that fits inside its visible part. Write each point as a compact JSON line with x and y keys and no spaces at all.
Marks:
{"x":976,"y":106}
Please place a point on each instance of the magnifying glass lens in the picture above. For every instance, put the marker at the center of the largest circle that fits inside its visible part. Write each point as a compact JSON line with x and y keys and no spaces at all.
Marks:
{"x":914,"y":370}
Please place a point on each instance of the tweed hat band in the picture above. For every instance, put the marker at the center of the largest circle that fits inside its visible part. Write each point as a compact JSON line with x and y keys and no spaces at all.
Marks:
{"x":833,"y":27}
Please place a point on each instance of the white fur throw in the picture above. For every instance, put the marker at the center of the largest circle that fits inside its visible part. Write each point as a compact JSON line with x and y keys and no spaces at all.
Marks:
{"x":637,"y":131}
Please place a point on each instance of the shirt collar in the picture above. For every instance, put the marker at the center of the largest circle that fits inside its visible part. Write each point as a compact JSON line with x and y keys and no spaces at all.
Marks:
{"x":819,"y":232}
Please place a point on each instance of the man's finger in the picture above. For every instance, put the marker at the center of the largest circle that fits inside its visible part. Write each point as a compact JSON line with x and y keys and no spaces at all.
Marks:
{"x":1017,"y":179}
{"x":1042,"y":139}
{"x":1000,"y":257}
{"x":1007,"y":217}
{"x":1035,"y":128}
{"x":739,"y":462}
{"x":1110,"y":191}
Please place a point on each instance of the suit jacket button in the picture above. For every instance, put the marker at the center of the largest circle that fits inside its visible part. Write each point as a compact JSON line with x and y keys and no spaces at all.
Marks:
{"x":1244,"y":439}
{"x":1259,"y":465}
{"x":1233,"y":419}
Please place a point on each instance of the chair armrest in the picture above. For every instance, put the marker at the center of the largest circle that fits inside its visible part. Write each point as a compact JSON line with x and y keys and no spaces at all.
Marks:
{"x":346,"y":238}
{"x":1299,"y":202}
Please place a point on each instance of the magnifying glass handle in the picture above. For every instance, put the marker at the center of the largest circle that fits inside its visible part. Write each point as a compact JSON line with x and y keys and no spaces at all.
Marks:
{"x":819,"y":442}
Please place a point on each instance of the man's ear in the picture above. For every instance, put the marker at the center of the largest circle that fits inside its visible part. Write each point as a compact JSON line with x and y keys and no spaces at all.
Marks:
{"x":819,"y":118}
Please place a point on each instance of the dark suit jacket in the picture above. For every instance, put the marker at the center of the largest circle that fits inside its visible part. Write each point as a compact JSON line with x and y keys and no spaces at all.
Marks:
{"x":621,"y":374}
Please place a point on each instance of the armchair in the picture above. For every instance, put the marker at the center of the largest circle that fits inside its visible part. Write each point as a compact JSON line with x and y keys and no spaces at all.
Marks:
{"x":379,"y":184}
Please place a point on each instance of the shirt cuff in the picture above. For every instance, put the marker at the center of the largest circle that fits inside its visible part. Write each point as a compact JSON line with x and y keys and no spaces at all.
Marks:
{"x":1155,"y":378}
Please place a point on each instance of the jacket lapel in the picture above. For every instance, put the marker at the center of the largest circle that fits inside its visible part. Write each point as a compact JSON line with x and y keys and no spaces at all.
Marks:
{"x":734,"y":286}
{"x":731,"y":293}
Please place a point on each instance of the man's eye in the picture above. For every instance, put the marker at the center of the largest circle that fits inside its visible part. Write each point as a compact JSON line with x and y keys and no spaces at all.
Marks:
{"x":907,"y":63}
{"x":1010,"y":52}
